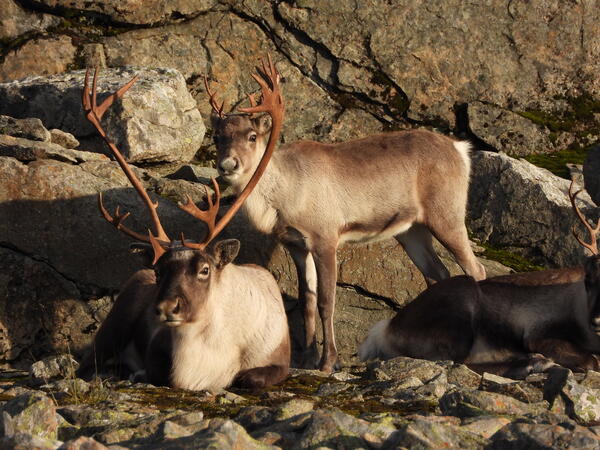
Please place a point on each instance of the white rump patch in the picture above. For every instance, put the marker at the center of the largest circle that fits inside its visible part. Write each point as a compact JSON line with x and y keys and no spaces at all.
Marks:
{"x":376,"y":344}
{"x":464,"y":149}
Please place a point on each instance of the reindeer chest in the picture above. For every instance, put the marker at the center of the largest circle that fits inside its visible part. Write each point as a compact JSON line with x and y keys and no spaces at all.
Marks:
{"x":261,"y":213}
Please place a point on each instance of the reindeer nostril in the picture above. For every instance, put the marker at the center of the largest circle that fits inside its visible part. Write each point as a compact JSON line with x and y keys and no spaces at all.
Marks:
{"x":176,"y":307}
{"x":229,"y":164}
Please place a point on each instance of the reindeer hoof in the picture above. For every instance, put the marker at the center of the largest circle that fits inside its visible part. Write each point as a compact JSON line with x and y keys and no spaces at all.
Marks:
{"x":310,"y":359}
{"x":330,"y":367}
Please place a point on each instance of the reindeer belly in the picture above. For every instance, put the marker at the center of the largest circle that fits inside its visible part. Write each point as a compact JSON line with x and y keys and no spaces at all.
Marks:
{"x":363,"y":233}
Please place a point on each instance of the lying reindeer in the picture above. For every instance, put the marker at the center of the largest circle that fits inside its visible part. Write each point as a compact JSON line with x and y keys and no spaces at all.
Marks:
{"x":196,"y":321}
{"x":511,"y":325}
{"x":409,"y":185}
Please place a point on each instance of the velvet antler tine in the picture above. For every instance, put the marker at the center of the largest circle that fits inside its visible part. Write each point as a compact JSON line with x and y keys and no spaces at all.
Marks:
{"x":593,"y":231}
{"x":94,"y":113}
{"x":108,"y":101}
{"x":213,"y":100}
{"x":157,"y":247}
{"x":94,"y":82}
{"x":85,"y":98}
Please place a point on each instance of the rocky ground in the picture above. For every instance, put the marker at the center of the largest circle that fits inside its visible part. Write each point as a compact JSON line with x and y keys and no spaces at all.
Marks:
{"x":402,"y":402}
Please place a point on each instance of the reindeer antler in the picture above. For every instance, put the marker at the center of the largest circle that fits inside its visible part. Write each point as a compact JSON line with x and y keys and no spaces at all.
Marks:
{"x":593,"y":244}
{"x":94,"y":114}
{"x":213,"y":101}
{"x":271,"y":103}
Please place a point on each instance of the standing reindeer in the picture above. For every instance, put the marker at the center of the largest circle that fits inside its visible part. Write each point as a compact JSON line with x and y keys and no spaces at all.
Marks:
{"x":196,"y":321}
{"x":504,"y":323}
{"x":408,"y":185}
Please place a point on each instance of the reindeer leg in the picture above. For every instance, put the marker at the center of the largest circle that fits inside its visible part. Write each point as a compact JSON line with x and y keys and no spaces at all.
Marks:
{"x":416,"y":242}
{"x":453,"y":235}
{"x":324,"y":255}
{"x":565,"y":353}
{"x":307,"y":293}
{"x":261,"y":377}
{"x":517,"y":368}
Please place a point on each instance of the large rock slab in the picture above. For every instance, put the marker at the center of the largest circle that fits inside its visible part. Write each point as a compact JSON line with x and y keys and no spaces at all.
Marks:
{"x":526,"y":209}
{"x":227,"y":51}
{"x":16,"y":21}
{"x":156,"y":120}
{"x":48,"y":210}
{"x":41,"y":311}
{"x":137,"y":12}
{"x":41,"y":56}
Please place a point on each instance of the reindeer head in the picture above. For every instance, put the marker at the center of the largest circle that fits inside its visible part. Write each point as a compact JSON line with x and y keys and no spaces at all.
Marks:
{"x":241,"y":142}
{"x":186,"y":278}
{"x":243,"y":139}
{"x":186,"y":272}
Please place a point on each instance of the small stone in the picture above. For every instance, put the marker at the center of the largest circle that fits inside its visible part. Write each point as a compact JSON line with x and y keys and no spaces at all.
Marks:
{"x":52,"y":367}
{"x":470,"y":403}
{"x":485,"y":426}
{"x":83,"y":443}
{"x":461,"y":376}
{"x":62,"y":138}
{"x":25,"y":441}
{"x":492,"y":379}
{"x":327,"y":389}
{"x":230,"y":398}
{"x":32,"y":413}
{"x":410,"y":382}
{"x":293,"y":408}
{"x":344,"y":376}
{"x":31,"y":128}
{"x":194,"y":173}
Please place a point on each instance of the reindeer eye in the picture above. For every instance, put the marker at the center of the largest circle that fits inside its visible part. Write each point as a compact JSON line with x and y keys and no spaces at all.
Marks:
{"x":203,"y":273}
{"x":252,"y":137}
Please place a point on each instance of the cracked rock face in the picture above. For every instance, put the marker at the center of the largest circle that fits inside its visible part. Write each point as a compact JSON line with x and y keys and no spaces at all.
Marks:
{"x":157,"y":119}
{"x":339,"y":61}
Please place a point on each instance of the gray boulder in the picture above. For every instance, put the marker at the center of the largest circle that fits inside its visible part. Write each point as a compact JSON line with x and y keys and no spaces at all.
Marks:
{"x":516,"y":205}
{"x":62,"y":138}
{"x":156,"y":120}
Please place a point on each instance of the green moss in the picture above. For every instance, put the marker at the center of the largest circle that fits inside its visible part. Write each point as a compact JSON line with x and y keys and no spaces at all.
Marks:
{"x":509,"y":259}
{"x":556,"y":162}
{"x":577,"y":117}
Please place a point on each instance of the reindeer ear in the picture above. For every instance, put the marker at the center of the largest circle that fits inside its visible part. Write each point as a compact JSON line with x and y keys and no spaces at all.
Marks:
{"x":592,"y":271}
{"x":144,"y":252}
{"x":226,"y":251}
{"x":215,"y":120}
{"x":263,"y":123}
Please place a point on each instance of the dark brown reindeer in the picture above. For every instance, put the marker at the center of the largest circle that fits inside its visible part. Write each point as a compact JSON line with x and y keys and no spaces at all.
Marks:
{"x":196,"y":321}
{"x":511,"y":325}
{"x":408,"y":185}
